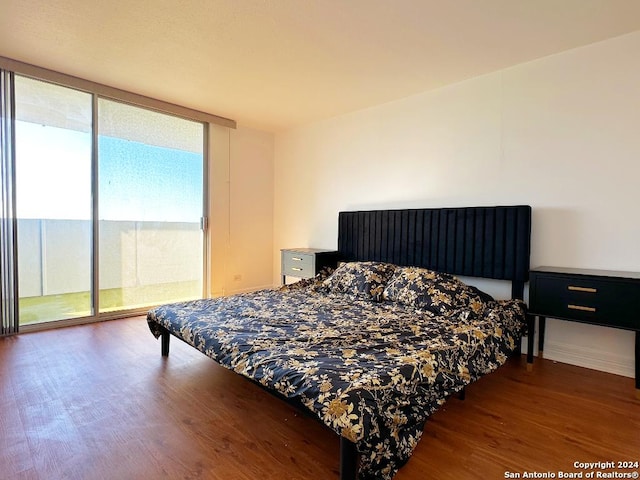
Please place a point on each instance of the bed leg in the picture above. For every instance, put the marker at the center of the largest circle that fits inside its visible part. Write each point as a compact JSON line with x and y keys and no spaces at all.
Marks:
{"x":638,"y":364}
{"x":531,"y":327}
{"x":348,"y":460}
{"x":517,"y":352}
{"x":463,"y":393}
{"x":165,"y":342}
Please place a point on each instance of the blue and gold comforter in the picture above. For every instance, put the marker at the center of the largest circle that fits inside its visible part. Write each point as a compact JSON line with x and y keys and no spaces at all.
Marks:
{"x":371,"y":371}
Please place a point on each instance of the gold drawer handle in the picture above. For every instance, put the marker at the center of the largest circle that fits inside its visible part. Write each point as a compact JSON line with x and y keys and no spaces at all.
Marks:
{"x":296,"y":259}
{"x":582,"y":289}
{"x":295,"y":269}
{"x":581,"y":308}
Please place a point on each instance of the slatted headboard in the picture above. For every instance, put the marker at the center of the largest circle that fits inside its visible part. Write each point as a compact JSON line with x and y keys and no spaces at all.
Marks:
{"x":488,"y":242}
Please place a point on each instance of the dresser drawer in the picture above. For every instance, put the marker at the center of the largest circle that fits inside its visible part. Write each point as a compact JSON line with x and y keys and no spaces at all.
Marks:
{"x":598,"y":300}
{"x":298,"y":264}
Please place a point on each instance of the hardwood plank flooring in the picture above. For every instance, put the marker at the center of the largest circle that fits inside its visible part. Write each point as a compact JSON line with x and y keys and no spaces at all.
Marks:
{"x":99,"y":402}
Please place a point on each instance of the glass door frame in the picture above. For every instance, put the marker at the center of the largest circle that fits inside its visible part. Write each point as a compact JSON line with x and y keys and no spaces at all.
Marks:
{"x":15,"y":67}
{"x":52,"y":188}
{"x":204,"y":223}
{"x":96,"y":315}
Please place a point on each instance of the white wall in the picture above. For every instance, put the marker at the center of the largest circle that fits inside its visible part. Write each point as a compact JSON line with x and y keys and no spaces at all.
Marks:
{"x":241,"y":210}
{"x":560,"y":134}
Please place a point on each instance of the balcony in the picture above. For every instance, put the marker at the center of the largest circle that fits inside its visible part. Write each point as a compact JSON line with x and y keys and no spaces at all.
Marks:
{"x":141,"y":264}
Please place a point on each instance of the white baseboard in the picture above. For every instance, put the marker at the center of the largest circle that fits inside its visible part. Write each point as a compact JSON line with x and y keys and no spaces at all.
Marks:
{"x":604,"y":361}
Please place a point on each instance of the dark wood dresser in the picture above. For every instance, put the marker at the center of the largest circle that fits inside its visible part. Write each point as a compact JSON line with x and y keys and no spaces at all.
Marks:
{"x":599,"y":297}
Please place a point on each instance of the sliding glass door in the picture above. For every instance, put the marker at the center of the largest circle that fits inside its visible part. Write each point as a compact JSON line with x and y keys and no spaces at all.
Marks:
{"x":109,"y":201}
{"x":53,"y":151}
{"x":151,"y":201}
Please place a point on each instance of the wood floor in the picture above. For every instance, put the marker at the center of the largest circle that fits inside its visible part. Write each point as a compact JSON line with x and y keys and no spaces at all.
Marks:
{"x":99,"y":402}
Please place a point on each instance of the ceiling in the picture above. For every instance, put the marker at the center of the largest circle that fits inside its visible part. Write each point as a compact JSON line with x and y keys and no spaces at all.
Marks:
{"x":278,"y":64}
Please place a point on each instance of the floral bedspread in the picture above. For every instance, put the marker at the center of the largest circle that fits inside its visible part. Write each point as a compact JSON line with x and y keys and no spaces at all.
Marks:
{"x":371,"y":371}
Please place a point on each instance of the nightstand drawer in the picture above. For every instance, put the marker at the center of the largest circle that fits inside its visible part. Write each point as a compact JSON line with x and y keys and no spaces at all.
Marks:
{"x":298,"y":264}
{"x":602,"y":301}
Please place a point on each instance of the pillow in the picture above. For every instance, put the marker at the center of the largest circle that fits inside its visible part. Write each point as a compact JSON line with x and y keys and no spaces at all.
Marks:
{"x":437,"y":292}
{"x":360,"y":279}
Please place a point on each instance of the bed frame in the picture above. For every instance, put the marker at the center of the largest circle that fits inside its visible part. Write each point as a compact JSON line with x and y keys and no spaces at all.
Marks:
{"x":486,"y":242}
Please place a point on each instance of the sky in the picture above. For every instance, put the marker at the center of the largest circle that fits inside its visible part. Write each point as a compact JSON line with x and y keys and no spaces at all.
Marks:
{"x":136,"y":181}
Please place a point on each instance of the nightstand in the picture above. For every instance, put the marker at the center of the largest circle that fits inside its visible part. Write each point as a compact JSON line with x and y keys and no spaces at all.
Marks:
{"x":305,"y":262}
{"x":598,"y":297}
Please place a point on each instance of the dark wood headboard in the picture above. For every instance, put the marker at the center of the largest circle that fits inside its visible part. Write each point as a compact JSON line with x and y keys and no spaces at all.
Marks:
{"x":487,"y":242}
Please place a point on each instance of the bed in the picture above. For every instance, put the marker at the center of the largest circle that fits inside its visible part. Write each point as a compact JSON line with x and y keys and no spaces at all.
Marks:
{"x":374,"y":347}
